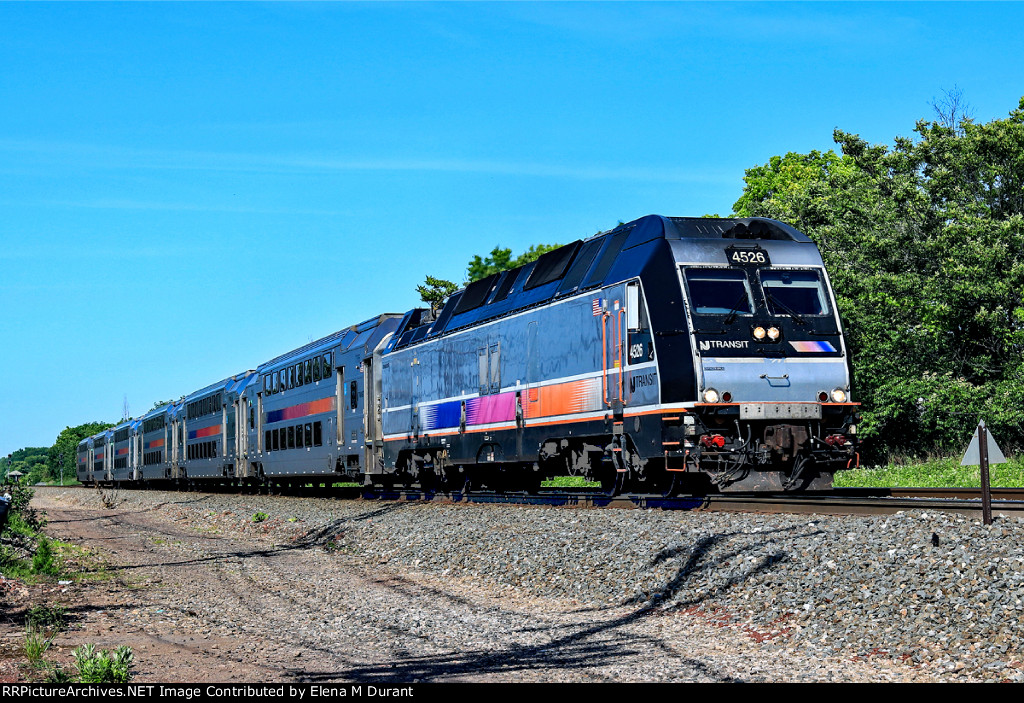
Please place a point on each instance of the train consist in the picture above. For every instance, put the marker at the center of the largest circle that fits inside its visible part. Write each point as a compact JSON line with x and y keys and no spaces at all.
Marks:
{"x":667,"y":354}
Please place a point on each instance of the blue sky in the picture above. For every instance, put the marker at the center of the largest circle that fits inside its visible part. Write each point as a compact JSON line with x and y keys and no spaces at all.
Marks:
{"x":189,"y":189}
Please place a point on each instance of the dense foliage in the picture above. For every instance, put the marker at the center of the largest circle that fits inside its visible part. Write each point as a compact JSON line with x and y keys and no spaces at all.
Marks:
{"x":29,"y":461}
{"x":924,"y":243}
{"x":63,"y":452}
{"x":501,"y":260}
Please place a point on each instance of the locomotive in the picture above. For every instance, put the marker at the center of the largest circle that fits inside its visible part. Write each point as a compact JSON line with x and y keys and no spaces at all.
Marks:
{"x":667,"y":354}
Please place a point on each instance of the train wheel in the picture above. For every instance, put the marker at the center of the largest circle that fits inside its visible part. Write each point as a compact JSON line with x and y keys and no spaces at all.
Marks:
{"x":610,"y":478}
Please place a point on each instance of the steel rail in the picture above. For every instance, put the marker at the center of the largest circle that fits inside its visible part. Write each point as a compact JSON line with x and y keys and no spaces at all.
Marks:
{"x":841,"y":502}
{"x":1007,"y":502}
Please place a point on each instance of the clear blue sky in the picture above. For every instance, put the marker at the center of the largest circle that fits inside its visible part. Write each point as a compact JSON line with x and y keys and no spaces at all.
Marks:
{"x":187,"y":190}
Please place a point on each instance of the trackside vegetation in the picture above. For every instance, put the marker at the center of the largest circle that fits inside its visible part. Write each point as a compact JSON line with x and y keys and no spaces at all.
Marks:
{"x":933,"y":472}
{"x":29,"y":555}
{"x":924,"y":243}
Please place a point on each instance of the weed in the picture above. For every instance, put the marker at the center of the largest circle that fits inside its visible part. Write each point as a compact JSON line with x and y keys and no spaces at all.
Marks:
{"x":36,"y":643}
{"x":18,"y":527}
{"x":47,"y":617}
{"x":932,"y":471}
{"x":12,"y":565}
{"x":110,"y":497}
{"x":259,"y":517}
{"x":21,"y":513}
{"x":43,"y":561}
{"x":103,"y":666}
{"x":56,"y":674}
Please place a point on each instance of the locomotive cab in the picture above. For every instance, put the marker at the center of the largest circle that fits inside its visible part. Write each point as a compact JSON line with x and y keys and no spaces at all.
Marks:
{"x":772,"y":407}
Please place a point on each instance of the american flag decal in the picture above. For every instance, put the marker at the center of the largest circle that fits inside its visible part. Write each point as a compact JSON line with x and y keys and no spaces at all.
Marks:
{"x":597,"y":306}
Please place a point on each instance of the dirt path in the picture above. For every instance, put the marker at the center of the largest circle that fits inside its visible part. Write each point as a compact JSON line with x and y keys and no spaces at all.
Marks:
{"x":199,"y":606}
{"x":138,"y":601}
{"x":210,"y":608}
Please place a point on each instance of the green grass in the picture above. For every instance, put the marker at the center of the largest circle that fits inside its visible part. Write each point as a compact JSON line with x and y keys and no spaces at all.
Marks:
{"x":932,"y":472}
{"x":37,"y":642}
{"x":569,"y":482}
{"x":44,"y":561}
{"x":81,"y":564}
{"x":12,"y":566}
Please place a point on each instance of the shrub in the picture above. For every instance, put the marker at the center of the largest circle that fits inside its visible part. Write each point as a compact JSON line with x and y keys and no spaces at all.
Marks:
{"x":47,"y":617}
{"x":43,"y":562}
{"x":21,"y":496}
{"x":103,"y":666}
{"x":57,"y":674}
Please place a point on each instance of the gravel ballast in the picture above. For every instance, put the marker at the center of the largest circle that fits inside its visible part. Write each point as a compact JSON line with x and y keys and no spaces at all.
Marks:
{"x":936,"y":595}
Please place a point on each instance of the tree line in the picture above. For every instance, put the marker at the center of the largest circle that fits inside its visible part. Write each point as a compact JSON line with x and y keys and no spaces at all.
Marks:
{"x":924,"y":243}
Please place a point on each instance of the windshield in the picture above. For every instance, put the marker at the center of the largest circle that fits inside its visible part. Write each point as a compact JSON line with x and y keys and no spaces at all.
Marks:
{"x":719,"y":291}
{"x":799,"y":292}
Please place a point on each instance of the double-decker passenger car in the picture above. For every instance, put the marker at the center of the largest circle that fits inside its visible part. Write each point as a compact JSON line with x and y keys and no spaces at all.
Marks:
{"x":307,"y":416}
{"x":153,"y":443}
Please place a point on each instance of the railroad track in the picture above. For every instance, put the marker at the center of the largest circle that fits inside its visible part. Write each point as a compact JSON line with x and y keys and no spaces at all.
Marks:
{"x":1008,"y":502}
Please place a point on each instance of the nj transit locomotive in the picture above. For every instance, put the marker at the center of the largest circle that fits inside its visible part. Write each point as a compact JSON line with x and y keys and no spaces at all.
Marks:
{"x":666,"y":354}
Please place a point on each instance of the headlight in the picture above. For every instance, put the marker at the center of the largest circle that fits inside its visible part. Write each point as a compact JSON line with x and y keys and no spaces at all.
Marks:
{"x":759,"y":333}
{"x":838,"y":395}
{"x":773,"y":333}
{"x":710,"y":396}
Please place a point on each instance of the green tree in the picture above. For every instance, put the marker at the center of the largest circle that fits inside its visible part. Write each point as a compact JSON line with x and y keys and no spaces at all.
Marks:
{"x":501,"y":260}
{"x":65,"y":449}
{"x":30,"y":461}
{"x":924,"y":243}
{"x":435,"y":291}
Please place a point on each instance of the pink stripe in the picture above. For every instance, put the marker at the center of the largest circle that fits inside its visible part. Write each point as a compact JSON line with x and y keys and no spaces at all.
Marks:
{"x":491,"y":408}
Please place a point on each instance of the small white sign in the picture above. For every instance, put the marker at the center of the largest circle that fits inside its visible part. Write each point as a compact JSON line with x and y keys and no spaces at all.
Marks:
{"x":973,"y":455}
